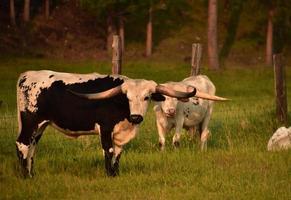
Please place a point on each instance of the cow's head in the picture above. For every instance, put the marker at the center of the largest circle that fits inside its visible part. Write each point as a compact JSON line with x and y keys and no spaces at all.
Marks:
{"x":169,"y":105}
{"x":139,"y":92}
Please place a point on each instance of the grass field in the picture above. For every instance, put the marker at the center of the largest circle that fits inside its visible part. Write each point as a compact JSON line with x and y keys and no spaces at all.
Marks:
{"x":236,"y":165}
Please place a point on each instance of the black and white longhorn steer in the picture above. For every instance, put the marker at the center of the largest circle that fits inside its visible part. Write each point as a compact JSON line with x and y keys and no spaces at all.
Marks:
{"x":84,"y":104}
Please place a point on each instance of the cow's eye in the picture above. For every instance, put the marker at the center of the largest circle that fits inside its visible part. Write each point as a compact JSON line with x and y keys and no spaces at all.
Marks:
{"x":146,"y":98}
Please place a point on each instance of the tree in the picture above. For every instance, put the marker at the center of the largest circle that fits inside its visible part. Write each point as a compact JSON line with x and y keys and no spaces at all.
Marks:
{"x":269,"y":37}
{"x":281,"y":30}
{"x":104,"y":10}
{"x":111,"y":30}
{"x":121,"y":32}
{"x":47,"y":8}
{"x":212,"y":35}
{"x":277,"y":17}
{"x":113,"y":13}
{"x":149,"y":33}
{"x":12,"y":13}
{"x":26,"y":11}
{"x":152,"y":6}
{"x":235,"y":7}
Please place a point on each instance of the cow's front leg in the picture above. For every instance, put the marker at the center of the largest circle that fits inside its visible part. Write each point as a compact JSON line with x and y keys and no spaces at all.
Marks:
{"x":116,"y":158}
{"x":106,"y":142}
{"x":204,"y":137}
{"x":176,"y":138}
{"x":204,"y":131}
{"x":161,"y":122}
{"x":162,"y":138}
{"x":178,"y":131}
{"x":26,"y":142}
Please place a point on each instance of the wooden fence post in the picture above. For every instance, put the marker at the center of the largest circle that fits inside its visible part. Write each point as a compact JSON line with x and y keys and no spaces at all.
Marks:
{"x":116,"y":55}
{"x":196,"y":58}
{"x":280,"y":89}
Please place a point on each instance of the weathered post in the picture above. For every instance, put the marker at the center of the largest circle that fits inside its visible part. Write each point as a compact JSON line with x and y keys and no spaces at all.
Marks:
{"x":196,"y":58}
{"x":280,"y":89}
{"x":116,"y":55}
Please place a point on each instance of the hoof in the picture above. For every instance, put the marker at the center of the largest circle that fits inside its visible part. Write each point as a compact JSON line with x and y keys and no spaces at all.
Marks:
{"x":29,"y":175}
{"x":112,"y":172}
{"x":176,"y":144}
{"x":26,"y":174}
{"x":115,"y":171}
{"x":203,"y":147}
{"x":161,"y":146}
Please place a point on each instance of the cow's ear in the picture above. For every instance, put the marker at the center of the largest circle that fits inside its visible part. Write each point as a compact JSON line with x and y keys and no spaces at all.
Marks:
{"x":157,"y":97}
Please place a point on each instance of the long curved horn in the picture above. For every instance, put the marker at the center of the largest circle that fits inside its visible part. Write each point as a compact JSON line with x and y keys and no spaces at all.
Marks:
{"x":203,"y":95}
{"x":176,"y":94}
{"x":100,"y":95}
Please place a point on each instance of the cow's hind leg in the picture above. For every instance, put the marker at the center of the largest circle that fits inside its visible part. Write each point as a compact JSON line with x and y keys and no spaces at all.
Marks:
{"x":204,"y":137}
{"x":192,"y":132}
{"x":204,"y":131}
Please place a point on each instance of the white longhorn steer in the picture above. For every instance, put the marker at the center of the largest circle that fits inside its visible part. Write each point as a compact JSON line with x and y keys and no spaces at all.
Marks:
{"x":190,"y":115}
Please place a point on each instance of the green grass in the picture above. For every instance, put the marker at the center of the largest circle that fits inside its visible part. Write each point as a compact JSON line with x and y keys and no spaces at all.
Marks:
{"x":236,"y":165}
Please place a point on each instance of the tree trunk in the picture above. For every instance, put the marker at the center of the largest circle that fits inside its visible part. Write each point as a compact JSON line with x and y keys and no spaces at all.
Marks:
{"x":236,"y":7}
{"x":111,"y":30}
{"x":47,"y":9}
{"x":212,"y":35}
{"x":149,"y":39}
{"x":12,"y":13}
{"x":77,"y":3}
{"x":269,"y":38}
{"x":121,"y":33}
{"x":26,"y":11}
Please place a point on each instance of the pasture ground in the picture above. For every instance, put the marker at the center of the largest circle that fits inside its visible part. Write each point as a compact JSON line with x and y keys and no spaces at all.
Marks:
{"x":235,"y":166}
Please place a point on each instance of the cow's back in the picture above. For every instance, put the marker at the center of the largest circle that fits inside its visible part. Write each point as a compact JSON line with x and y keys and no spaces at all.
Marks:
{"x":31,"y":84}
{"x":201,"y":82}
{"x":196,"y":109}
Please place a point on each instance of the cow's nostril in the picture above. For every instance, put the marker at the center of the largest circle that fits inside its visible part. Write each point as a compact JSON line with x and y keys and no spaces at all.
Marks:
{"x":136,"y":119}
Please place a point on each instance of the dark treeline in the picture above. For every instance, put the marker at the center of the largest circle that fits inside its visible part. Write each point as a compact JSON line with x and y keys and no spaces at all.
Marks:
{"x":19,"y":11}
{"x":150,"y":21}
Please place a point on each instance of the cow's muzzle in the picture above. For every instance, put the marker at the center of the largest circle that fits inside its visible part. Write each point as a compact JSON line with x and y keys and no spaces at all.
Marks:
{"x":135,"y":119}
{"x":170,"y":112}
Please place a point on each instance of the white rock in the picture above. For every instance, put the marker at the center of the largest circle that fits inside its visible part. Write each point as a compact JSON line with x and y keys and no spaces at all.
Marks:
{"x":281,"y":139}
